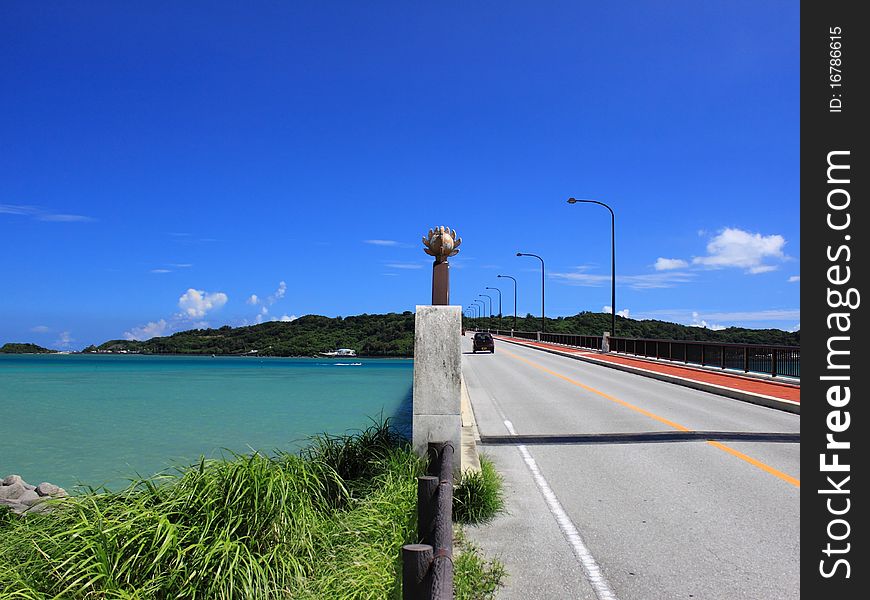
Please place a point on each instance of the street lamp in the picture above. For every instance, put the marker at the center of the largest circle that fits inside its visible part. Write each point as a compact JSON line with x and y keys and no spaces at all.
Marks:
{"x":482,"y":308}
{"x":542,"y":284}
{"x":490,"y":307}
{"x":612,"y":260}
{"x":499,"y":302}
{"x":515,"y":297}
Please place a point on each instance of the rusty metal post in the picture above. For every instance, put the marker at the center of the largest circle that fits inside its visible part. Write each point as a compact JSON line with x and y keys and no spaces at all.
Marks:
{"x":416,"y":571}
{"x":441,"y":283}
{"x":427,"y":490}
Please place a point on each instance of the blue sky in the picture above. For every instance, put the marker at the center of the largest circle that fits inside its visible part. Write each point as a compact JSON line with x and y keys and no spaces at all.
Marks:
{"x":163,"y":162}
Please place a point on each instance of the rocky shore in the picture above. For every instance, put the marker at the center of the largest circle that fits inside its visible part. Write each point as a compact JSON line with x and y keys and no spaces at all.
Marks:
{"x":22,"y":497}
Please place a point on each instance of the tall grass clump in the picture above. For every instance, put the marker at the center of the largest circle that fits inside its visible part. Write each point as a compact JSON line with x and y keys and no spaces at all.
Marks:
{"x":475,"y":577}
{"x":479,"y":496}
{"x":328,"y":522}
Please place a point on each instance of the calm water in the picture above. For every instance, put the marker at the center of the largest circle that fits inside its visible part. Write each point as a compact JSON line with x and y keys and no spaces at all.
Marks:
{"x":98,"y":419}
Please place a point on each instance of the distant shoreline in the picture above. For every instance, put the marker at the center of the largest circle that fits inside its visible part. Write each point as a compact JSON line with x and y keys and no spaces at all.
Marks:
{"x":333,"y":358}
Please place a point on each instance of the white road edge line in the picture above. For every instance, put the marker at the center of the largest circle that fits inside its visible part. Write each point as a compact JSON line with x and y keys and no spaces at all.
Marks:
{"x":590,"y":567}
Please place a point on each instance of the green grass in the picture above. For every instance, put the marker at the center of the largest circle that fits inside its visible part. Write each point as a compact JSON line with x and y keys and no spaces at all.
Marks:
{"x":479,"y":496}
{"x":474,"y":577}
{"x":326,"y":523}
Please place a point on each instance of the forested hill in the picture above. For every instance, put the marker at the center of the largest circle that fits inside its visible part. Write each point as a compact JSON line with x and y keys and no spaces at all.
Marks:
{"x":589,"y":323}
{"x":393,"y":335}
{"x":370,"y":335}
{"x":16,"y":348}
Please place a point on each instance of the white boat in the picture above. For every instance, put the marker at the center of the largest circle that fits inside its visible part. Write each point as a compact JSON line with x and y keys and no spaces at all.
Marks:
{"x":340,"y":353}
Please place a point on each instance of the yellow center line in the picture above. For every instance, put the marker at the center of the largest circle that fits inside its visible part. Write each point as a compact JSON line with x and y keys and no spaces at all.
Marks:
{"x":752,"y":461}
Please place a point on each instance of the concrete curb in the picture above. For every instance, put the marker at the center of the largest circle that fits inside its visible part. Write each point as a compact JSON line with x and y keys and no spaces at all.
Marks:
{"x":470,"y":460}
{"x":762,"y":399}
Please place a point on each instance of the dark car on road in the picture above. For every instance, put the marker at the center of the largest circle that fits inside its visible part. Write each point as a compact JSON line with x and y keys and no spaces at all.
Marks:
{"x":483,"y":341}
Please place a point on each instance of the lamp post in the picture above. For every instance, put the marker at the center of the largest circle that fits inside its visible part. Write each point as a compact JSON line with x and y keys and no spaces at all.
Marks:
{"x":542,"y":284}
{"x":515,"y":297}
{"x":482,"y":308}
{"x":612,"y":259}
{"x":473,"y":309}
{"x":499,"y":302}
{"x":490,"y":307}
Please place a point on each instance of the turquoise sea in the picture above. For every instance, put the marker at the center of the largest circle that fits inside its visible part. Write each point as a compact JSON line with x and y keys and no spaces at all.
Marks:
{"x":101,"y":419}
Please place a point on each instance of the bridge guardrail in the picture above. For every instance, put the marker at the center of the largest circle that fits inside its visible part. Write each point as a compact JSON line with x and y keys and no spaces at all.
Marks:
{"x":768,"y":359}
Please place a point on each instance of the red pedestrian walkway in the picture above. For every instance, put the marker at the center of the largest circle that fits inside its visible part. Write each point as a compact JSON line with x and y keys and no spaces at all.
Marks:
{"x":779,"y":390}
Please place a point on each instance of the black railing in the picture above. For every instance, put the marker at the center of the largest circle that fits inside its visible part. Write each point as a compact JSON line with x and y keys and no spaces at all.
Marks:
{"x":749,"y":358}
{"x":783,"y":361}
{"x":593,"y":342}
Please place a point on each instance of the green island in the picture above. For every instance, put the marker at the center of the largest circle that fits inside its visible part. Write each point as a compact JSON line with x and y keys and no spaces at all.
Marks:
{"x":327,"y":522}
{"x":24,"y":348}
{"x":392,"y":335}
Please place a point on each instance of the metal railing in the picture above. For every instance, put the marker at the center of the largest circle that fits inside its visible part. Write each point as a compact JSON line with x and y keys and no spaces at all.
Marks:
{"x":592,"y":342}
{"x":749,"y":358}
{"x":773,"y":360}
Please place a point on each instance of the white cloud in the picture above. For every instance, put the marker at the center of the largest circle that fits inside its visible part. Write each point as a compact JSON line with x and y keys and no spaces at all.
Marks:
{"x":381,"y":242}
{"x":697,"y":322}
{"x":285,"y":318}
{"x":63,"y":218}
{"x":620,"y":313}
{"x":64,"y":340}
{"x":795,"y":328}
{"x":737,"y":248}
{"x":181,"y":265}
{"x":40,"y":329}
{"x":405,"y":265}
{"x":638,"y":282}
{"x":267,"y":302}
{"x":756,"y":315}
{"x":794,"y":279}
{"x":42,"y":214}
{"x":681,"y":315}
{"x":146,"y":332}
{"x":160,"y":271}
{"x":196,"y":303}
{"x":669,"y":264}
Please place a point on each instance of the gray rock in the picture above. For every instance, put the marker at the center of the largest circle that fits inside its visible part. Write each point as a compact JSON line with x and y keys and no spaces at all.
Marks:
{"x":28,"y":497}
{"x":47,"y":489}
{"x":29,"y":486}
{"x":39,"y":507}
{"x":16,"y":508}
{"x":13,"y":479}
{"x":13,"y":491}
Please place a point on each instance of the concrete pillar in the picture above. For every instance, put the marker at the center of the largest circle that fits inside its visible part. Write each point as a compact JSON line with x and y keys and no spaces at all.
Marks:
{"x":437,"y":376}
{"x":605,"y":342}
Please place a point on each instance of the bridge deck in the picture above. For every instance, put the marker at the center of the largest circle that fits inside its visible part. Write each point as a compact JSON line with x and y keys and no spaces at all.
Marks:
{"x":622,"y":486}
{"x":772,"y":389}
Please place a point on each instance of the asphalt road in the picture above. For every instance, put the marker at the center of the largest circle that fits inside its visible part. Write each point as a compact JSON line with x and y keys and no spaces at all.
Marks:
{"x":636,"y":519}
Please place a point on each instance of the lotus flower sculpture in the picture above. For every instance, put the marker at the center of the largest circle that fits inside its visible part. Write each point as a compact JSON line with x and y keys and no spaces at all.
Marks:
{"x":441,"y":243}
